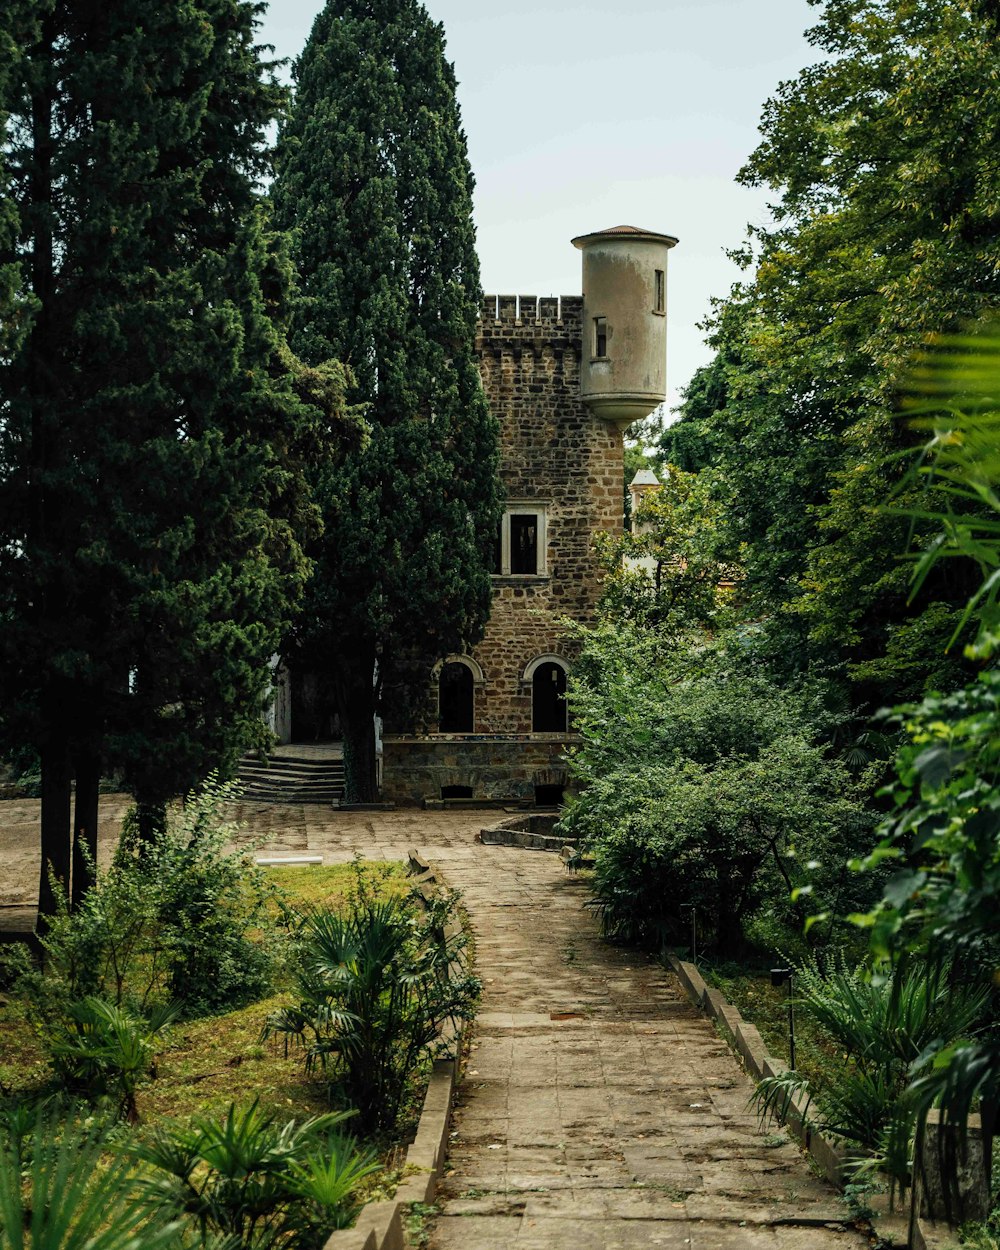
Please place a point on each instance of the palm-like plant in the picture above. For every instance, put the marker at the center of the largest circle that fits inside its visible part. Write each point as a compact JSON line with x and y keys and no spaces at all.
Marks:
{"x":954,"y":394}
{"x":376,"y":984}
{"x":885,"y":1026}
{"x":102,"y":1049}
{"x":256,"y":1181}
{"x":58,"y":1191}
{"x":945,"y":831}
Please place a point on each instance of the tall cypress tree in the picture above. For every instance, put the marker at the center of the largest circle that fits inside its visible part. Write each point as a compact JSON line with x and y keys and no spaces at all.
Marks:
{"x":373,"y":175}
{"x":154,"y":422}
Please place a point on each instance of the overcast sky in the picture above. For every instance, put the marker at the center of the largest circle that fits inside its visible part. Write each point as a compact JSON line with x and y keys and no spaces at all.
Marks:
{"x":585,"y":115}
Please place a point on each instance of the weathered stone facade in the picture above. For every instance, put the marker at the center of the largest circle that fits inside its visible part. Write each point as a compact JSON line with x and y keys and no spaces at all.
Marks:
{"x":558,"y":457}
{"x":564,"y":377}
{"x":554,"y":453}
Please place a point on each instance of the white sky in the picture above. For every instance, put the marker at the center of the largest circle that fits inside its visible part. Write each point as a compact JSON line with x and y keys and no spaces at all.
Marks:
{"x":585,"y":115}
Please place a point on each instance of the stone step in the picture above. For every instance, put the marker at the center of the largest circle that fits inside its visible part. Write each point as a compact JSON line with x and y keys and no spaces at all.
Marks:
{"x":255,"y":770}
{"x":292,"y":779}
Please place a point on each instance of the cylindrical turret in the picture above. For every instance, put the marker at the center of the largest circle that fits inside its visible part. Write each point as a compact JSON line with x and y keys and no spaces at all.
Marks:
{"x":623,"y":374}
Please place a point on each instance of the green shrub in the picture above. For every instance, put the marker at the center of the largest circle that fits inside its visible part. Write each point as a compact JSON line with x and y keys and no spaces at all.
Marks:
{"x":376,"y":985}
{"x":704,"y":783}
{"x":58,"y":1190}
{"x":180,"y":919}
{"x":103,"y":1050}
{"x":887,"y":1028}
{"x":256,"y":1181}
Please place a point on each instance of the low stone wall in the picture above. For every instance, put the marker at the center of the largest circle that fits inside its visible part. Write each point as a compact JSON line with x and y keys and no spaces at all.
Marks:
{"x":913,"y":1229}
{"x":530,"y":832}
{"x":503,"y":766}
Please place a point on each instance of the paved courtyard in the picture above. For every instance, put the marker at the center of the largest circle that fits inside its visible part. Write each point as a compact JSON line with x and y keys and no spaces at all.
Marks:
{"x":599,"y":1109}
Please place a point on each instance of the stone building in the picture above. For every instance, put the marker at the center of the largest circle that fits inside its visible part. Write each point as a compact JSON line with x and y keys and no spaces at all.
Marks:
{"x":565,"y":377}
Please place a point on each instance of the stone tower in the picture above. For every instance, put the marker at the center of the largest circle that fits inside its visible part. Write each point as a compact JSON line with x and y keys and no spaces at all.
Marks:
{"x":564,"y":376}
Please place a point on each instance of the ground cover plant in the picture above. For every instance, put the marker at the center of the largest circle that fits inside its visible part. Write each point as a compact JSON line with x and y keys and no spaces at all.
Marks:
{"x":223,"y":1132}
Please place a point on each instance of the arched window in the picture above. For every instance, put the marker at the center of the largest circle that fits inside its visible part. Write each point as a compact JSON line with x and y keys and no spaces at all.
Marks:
{"x":455,"y":699}
{"x":548,"y":698}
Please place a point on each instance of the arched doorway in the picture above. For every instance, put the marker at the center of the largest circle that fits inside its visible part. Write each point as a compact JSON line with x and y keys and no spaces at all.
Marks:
{"x":548,"y":698}
{"x":456,"y":700}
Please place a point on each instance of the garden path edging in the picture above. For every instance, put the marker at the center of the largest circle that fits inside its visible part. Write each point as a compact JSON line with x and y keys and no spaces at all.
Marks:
{"x":380,"y":1224}
{"x":746,"y":1041}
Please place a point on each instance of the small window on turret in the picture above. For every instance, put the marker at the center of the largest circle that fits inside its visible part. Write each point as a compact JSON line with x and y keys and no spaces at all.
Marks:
{"x":659,"y":293}
{"x":600,"y":336}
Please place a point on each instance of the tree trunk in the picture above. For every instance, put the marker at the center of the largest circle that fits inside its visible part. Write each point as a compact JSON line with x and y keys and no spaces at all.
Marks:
{"x":55,"y":833}
{"x":355,"y":693}
{"x":85,"y":813}
{"x":55,"y":828}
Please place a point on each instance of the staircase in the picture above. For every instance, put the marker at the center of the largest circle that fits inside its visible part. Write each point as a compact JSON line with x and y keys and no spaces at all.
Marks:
{"x":309,"y":776}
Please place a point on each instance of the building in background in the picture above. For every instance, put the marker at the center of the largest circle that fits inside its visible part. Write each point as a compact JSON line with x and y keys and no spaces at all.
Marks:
{"x":565,"y":377}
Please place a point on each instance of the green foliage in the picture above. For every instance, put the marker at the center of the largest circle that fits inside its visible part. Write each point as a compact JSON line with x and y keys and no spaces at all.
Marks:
{"x":104,"y":1050}
{"x":954,"y":392}
{"x":373,"y":177}
{"x":58,"y":1191}
{"x":153,"y":423}
{"x":666,"y":573}
{"x":886,"y":1026}
{"x":703,"y":782}
{"x":376,"y":985}
{"x":943,"y":834}
{"x":689,"y":443}
{"x":182,"y":919}
{"x":882,"y":160}
{"x":255,"y":1180}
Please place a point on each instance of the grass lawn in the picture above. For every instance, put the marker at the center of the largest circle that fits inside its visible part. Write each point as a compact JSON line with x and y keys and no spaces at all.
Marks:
{"x":203,"y":1065}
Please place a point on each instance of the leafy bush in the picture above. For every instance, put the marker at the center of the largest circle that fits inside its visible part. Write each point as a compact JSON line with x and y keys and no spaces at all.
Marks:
{"x":705,"y":784}
{"x":888,"y":1028}
{"x":255,"y":1180}
{"x":58,"y":1190}
{"x":376,"y":985}
{"x":179,"y":919}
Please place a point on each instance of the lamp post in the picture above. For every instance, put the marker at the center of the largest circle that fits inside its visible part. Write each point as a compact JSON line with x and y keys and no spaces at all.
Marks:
{"x":779,"y":977}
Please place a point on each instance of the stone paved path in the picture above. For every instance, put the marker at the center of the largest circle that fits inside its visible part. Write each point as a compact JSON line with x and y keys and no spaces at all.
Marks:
{"x":599,"y":1109}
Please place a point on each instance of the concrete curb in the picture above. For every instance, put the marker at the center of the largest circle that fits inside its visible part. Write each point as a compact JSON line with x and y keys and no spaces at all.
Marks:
{"x":748,"y":1044}
{"x":380,"y":1224}
{"x":832,"y":1160}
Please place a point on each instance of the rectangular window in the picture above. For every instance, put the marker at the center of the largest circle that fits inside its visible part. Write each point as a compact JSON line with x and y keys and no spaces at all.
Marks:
{"x":600,"y":336}
{"x":659,"y":293}
{"x":522,"y":541}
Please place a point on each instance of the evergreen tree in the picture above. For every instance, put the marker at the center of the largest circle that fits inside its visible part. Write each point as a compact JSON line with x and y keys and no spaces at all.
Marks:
{"x":153,"y":421}
{"x":373,"y":176}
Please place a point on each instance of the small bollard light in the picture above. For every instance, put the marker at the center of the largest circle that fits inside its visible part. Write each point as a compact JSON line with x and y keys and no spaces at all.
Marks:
{"x":779,"y":977}
{"x":693,"y":908}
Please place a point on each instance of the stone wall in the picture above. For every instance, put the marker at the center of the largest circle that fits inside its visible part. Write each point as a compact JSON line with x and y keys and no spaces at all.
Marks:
{"x":553,"y":452}
{"x":501,"y":767}
{"x":557,"y":455}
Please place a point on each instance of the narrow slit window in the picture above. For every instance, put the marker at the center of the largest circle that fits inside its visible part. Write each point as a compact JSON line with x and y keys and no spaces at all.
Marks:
{"x":524,"y":542}
{"x":600,"y":336}
{"x":659,"y":293}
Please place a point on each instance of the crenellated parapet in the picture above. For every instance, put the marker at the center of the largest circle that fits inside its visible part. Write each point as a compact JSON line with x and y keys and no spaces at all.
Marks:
{"x":513,"y":324}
